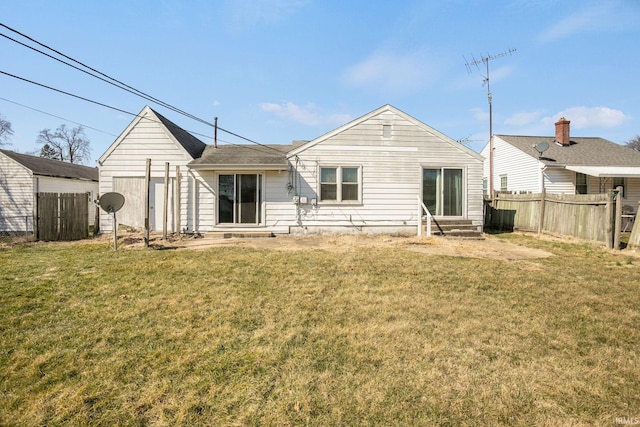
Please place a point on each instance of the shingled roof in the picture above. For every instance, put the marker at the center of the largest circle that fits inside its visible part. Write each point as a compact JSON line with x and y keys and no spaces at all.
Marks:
{"x":245,"y":155}
{"x":193,"y":145}
{"x":54,"y":168}
{"x":581,"y":151}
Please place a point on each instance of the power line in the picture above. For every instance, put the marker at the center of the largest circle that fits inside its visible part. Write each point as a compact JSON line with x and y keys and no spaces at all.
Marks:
{"x":58,"y":117}
{"x":66,"y":93}
{"x":117,"y":84}
{"x":120,"y":110}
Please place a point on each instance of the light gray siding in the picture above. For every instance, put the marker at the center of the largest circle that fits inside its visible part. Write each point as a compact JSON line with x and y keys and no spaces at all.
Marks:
{"x":126,"y":160}
{"x":391,"y":173}
{"x":18,"y":188}
{"x":277,"y":207}
{"x":16,"y":194}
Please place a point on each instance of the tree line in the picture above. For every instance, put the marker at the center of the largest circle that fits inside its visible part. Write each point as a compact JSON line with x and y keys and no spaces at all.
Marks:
{"x":65,"y":144}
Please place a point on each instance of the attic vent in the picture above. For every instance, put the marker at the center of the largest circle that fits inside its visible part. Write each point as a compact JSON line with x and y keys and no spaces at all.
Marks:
{"x":386,"y":131}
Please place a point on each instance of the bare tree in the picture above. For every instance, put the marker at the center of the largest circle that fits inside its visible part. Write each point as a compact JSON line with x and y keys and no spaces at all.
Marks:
{"x":6,"y":131}
{"x":70,"y":145}
{"x":634,"y":143}
{"x":49,"y":153}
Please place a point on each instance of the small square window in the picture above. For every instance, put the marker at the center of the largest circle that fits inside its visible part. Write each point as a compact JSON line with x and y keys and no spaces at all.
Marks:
{"x":386,"y":131}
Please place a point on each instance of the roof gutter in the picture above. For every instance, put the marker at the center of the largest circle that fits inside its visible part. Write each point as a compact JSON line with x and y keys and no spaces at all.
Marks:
{"x":237,"y":167}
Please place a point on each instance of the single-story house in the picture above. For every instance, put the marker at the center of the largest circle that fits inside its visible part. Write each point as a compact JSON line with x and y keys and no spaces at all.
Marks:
{"x":563,"y":165}
{"x":365,"y":176}
{"x":23,"y":176}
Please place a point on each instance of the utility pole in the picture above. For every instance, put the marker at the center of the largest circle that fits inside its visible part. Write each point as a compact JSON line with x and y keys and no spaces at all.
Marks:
{"x":485,"y":60}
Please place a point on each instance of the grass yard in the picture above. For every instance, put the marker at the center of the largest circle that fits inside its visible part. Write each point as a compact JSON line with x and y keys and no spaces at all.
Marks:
{"x":363,"y":336}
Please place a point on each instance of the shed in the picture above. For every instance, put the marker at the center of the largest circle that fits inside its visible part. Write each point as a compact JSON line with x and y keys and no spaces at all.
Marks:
{"x":23,"y":176}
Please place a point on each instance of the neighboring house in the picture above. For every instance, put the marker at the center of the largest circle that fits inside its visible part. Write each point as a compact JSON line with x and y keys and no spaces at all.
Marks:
{"x":570,"y":165}
{"x":23,"y":176}
{"x":362,"y":177}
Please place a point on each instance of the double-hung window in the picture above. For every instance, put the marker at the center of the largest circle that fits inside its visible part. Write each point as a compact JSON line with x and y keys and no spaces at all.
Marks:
{"x":340,"y":184}
{"x":582,"y":183}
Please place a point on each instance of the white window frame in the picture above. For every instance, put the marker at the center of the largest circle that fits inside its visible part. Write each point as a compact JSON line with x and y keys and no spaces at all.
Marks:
{"x":338,"y":169}
{"x":504,"y":182}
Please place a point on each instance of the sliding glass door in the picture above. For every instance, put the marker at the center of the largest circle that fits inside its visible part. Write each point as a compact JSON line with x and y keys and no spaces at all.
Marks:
{"x":442,"y":191}
{"x":240,"y":199}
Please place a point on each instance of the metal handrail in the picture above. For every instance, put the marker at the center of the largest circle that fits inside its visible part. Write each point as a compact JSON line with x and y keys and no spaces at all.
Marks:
{"x":421,"y":208}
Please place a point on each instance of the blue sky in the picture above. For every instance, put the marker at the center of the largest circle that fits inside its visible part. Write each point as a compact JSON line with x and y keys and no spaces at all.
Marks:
{"x":281,"y":70}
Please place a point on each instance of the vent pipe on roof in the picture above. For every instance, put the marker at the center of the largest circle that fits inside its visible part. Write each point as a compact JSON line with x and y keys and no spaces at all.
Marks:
{"x":563,"y":134}
{"x":215,"y":132}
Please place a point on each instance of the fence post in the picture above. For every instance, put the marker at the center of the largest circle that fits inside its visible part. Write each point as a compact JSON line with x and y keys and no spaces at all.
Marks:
{"x":543,"y":198}
{"x":147,"y":202}
{"x":176,"y":215}
{"x":166,"y":201}
{"x":618,"y":219}
{"x":608,"y":233}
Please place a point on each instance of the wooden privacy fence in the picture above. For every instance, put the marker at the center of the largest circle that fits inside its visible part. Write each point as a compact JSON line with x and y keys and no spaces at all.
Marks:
{"x":63,"y":216}
{"x":586,"y":216}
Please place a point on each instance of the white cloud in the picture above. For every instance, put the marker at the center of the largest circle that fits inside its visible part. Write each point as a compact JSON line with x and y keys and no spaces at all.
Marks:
{"x":305,"y":114}
{"x":480,"y":114}
{"x":589,"y":117}
{"x":393,"y":72}
{"x":535,"y":123}
{"x":599,"y":16}
{"x":523,"y":119}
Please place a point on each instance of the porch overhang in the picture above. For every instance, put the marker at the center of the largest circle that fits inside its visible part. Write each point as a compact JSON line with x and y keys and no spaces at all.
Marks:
{"x":607,"y":171}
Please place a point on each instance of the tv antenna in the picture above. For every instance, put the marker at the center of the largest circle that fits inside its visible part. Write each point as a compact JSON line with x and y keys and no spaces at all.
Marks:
{"x":476,"y":62}
{"x":112,"y":203}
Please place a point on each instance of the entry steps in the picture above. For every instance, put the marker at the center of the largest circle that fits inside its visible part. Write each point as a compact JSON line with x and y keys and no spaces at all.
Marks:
{"x":458,"y":228}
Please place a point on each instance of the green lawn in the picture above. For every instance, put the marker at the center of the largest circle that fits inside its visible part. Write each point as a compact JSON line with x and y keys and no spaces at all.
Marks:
{"x":369,"y":336}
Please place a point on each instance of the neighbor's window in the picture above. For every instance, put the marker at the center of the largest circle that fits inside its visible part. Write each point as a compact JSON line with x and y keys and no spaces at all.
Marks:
{"x":340,"y":184}
{"x":619,"y":182}
{"x":485,"y":185}
{"x":503,"y":183}
{"x":581,"y":183}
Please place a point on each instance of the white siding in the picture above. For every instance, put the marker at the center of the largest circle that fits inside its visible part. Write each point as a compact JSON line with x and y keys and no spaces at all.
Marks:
{"x":148,"y":140}
{"x":559,"y":181}
{"x":16,"y":194}
{"x":391,"y":174}
{"x":522,"y":170}
{"x":277,"y":207}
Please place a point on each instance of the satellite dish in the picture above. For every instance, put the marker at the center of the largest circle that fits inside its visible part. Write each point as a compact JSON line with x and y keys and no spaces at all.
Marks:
{"x":111,"y":202}
{"x":541,"y":147}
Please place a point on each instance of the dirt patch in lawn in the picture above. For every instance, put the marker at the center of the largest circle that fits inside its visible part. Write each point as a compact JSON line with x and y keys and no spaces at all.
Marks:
{"x":490,"y":248}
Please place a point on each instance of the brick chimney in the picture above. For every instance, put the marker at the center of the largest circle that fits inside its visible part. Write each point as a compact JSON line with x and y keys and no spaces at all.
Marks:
{"x":562,"y":132}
